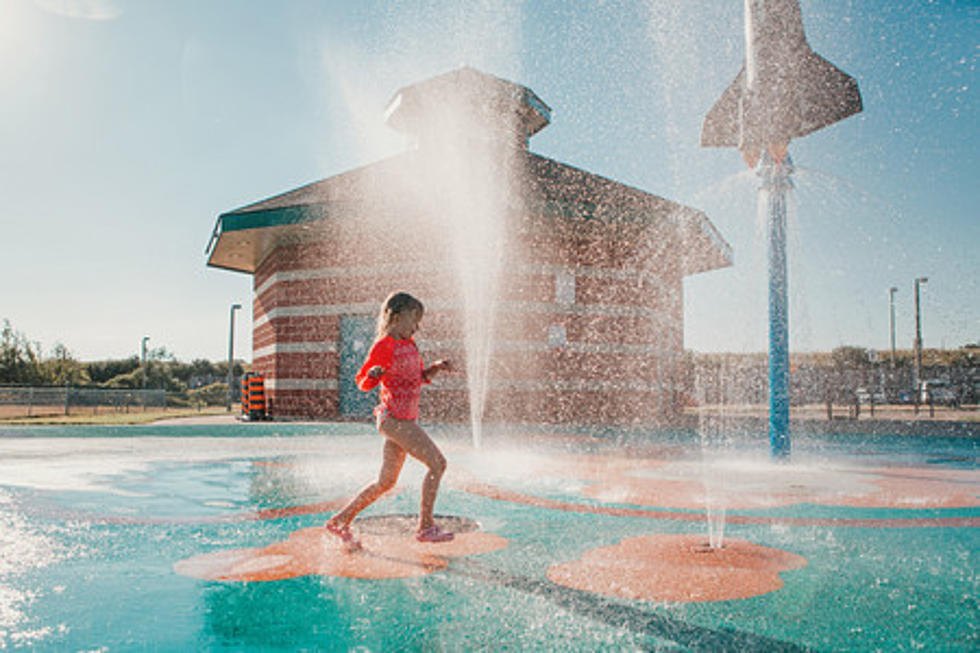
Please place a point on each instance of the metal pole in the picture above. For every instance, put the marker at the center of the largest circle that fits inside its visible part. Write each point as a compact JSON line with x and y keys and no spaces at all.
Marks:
{"x":918,"y":338}
{"x":231,"y":350}
{"x":891,"y":304}
{"x":776,"y":183}
{"x":143,"y":371}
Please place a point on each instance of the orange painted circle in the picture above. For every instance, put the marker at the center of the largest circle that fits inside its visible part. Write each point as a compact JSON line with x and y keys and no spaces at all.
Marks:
{"x":878,"y":488}
{"x":677,"y":568}
{"x":313,"y":551}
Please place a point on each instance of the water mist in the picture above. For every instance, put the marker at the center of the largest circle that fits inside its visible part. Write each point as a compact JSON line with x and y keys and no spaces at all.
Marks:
{"x":468,"y":145}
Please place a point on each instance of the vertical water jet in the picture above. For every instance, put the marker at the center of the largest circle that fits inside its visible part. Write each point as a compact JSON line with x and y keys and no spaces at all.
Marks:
{"x":471,"y":130}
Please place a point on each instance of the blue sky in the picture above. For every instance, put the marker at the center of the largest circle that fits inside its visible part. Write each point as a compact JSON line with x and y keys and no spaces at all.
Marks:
{"x":126,"y":127}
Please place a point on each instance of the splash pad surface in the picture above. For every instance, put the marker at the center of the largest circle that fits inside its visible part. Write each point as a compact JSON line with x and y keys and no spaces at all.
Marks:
{"x":207,"y":537}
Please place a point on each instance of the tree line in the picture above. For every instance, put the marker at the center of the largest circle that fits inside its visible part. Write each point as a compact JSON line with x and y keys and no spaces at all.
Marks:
{"x":839,"y":375}
{"x":23,"y":362}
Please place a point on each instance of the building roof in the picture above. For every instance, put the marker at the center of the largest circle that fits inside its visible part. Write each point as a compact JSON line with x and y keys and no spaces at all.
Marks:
{"x":244,"y":236}
{"x":462,"y":109}
{"x":478,"y":100}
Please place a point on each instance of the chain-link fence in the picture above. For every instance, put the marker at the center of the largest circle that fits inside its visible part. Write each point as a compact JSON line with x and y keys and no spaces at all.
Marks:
{"x":39,"y":400}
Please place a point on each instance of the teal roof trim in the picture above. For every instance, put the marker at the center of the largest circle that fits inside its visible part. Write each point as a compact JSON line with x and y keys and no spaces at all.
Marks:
{"x":535,"y":103}
{"x":271,"y":217}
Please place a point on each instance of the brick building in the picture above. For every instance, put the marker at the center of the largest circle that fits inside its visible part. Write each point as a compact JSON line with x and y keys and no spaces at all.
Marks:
{"x":588,"y":317}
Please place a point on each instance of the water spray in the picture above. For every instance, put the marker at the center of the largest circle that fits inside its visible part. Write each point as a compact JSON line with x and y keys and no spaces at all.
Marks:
{"x":784,"y":91}
{"x":471,"y":130}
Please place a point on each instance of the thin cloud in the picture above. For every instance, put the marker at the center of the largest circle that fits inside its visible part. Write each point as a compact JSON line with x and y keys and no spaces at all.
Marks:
{"x":84,"y":9}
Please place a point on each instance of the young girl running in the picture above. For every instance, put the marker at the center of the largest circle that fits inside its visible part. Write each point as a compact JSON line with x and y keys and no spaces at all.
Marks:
{"x":394,"y":362}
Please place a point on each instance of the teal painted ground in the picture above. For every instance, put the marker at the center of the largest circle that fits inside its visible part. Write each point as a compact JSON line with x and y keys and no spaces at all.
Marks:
{"x":92,"y":521}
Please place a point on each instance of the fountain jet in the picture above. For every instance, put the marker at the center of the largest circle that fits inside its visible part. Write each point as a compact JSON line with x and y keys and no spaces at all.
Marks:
{"x":784,"y":90}
{"x":472,"y":130}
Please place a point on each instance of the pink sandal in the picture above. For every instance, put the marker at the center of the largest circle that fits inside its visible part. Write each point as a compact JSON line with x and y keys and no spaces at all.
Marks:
{"x":434,"y":534}
{"x":346,"y":537}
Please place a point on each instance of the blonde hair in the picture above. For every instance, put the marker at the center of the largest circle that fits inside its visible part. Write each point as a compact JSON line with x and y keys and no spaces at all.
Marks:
{"x":395,"y":303}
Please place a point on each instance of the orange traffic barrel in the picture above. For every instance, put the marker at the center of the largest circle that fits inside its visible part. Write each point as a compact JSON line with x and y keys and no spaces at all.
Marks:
{"x":256,"y":396}
{"x":243,"y":394}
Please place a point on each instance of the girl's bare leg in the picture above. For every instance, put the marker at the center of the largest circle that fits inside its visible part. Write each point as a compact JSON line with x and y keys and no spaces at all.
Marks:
{"x":410,"y":437}
{"x":391,"y":466}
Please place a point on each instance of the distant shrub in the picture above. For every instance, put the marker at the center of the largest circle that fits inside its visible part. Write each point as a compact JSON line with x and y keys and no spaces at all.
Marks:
{"x":178,"y":401}
{"x":132,"y":379}
{"x":215,"y":394}
{"x":104,"y":371}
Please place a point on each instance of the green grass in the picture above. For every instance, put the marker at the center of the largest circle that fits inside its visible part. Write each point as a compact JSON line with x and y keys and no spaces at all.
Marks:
{"x":132,"y":417}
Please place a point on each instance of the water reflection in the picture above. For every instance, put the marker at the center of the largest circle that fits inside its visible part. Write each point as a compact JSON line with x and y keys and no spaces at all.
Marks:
{"x":23,"y":548}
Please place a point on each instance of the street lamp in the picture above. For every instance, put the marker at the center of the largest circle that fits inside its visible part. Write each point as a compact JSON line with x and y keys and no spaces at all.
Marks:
{"x":918,"y":338}
{"x":231,"y":350}
{"x":891,"y":304}
{"x":143,"y":360}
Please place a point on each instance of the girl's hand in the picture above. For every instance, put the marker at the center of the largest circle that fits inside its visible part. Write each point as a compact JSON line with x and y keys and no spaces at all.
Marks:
{"x":376,"y":372}
{"x":439,"y":366}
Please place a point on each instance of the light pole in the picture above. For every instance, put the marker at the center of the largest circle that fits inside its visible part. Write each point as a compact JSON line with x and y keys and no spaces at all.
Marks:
{"x":143,"y":360}
{"x":231,"y":350}
{"x":918,"y":338}
{"x":891,"y":305}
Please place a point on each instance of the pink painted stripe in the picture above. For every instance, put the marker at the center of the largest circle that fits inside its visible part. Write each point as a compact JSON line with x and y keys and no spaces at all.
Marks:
{"x":492,"y":492}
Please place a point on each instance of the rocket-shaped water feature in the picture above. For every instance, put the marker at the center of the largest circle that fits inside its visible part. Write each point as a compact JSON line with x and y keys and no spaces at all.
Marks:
{"x":784,"y":90}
